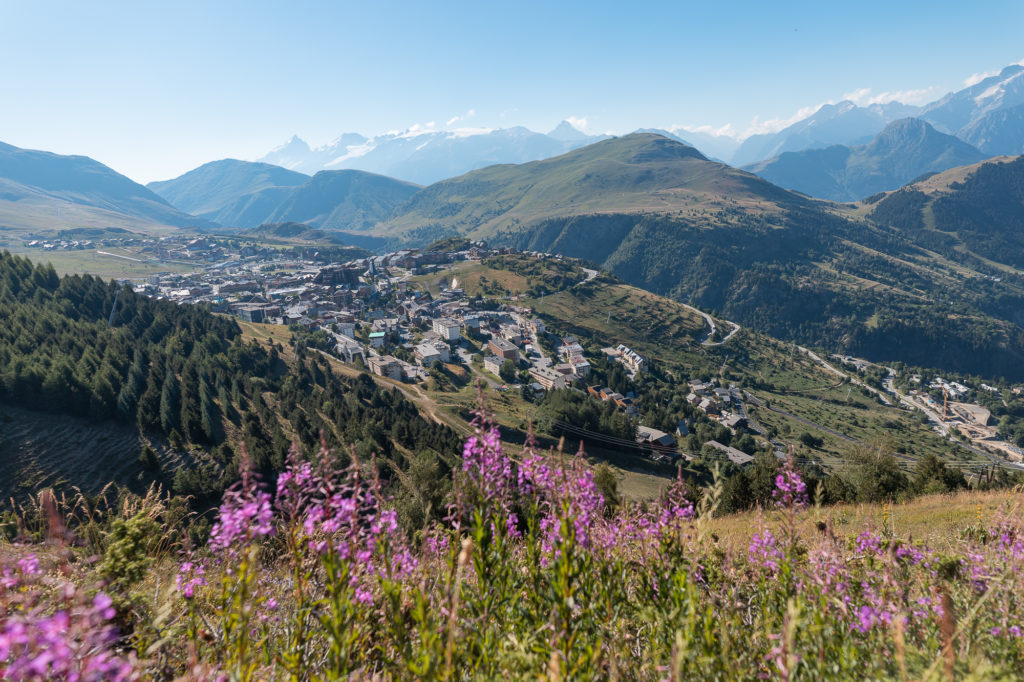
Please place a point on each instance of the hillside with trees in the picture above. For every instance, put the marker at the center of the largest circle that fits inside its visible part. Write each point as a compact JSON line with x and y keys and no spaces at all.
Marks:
{"x":190,"y":383}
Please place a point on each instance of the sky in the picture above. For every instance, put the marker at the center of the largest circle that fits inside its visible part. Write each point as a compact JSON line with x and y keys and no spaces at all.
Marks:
{"x":155,"y":89}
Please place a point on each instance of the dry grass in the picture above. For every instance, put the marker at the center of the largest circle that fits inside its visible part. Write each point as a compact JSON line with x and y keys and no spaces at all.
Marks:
{"x":938,"y":520}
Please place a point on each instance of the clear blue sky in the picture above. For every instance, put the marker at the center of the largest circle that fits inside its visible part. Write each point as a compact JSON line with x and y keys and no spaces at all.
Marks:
{"x":154,"y":89}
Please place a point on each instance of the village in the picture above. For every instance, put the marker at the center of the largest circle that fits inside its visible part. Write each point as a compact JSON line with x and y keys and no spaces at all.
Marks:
{"x":374,"y":313}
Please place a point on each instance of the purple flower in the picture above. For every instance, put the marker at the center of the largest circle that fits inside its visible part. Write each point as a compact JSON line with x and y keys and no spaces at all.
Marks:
{"x":104,"y":605}
{"x":190,"y":576}
{"x":790,"y":491}
{"x":29,"y":565}
{"x":244,"y":515}
{"x":869,"y":543}
{"x":763,"y":551}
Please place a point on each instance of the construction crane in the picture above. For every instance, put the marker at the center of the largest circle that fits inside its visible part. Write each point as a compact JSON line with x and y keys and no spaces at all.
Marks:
{"x":945,"y":402}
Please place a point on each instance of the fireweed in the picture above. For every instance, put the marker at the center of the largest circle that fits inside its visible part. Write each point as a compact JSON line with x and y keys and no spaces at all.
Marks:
{"x":532,"y":574}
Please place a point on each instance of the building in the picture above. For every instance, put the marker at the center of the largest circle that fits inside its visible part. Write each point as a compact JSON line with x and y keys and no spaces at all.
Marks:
{"x":504,"y":349}
{"x":348,"y":349}
{"x":537,"y":325}
{"x":631,"y":359}
{"x":377,"y":339}
{"x":645,"y":434}
{"x":386,"y":366}
{"x":570,"y":350}
{"x":447,"y":328}
{"x":549,"y":379}
{"x":580,"y":367}
{"x":430,"y":354}
{"x":492,"y":363}
{"x":735,"y":456}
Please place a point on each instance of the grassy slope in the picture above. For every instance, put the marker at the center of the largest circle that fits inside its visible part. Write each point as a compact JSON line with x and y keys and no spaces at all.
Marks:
{"x":636,"y":173}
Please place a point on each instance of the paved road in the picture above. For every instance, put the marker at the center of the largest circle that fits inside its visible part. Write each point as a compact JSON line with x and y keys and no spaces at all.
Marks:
{"x":712,"y":327}
{"x":890,"y":386}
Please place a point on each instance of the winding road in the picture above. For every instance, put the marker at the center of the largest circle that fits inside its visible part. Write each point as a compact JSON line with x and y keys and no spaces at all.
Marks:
{"x":713,"y":328}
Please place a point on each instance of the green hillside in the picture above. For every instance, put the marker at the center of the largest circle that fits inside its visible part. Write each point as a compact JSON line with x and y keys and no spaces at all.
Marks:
{"x":42,"y":190}
{"x":214,"y":189}
{"x":662,"y":217}
{"x":186,"y":382}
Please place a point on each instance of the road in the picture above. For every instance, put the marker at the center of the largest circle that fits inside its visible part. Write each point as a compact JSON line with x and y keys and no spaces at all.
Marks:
{"x":829,"y":368}
{"x":934,"y":417}
{"x":712,"y":327}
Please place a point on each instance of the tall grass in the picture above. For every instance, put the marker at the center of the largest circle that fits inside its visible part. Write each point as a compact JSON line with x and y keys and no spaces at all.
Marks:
{"x":533,"y":575}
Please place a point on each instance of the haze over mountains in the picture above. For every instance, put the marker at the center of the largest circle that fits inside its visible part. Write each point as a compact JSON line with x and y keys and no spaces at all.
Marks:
{"x":988,"y":115}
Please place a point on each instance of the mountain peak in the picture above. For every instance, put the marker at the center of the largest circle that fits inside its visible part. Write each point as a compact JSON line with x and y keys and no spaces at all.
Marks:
{"x":567,"y":132}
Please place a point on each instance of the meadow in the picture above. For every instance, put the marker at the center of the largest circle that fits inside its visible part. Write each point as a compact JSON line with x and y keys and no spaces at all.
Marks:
{"x":538,"y":570}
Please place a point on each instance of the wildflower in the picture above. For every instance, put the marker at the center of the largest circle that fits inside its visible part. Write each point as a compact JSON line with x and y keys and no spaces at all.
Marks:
{"x":763,"y":551}
{"x":790,"y":490}
{"x":104,"y":605}
{"x":190,"y":576}
{"x":868,"y":543}
{"x":29,"y":565}
{"x":245,"y":514}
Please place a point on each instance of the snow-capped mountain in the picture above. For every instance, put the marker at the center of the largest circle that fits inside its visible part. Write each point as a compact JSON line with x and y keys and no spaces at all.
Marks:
{"x":426,"y":156}
{"x":959,"y":109}
{"x":843,"y":123}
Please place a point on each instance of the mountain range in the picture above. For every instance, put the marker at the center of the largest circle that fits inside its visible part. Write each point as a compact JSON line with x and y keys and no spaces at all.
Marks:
{"x":988,"y":115}
{"x":426,"y":156}
{"x":247,"y":194}
{"x":901,"y":152}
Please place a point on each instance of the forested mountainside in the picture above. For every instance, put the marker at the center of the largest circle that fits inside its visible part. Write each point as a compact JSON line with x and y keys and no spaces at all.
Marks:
{"x":187,"y":380}
{"x":977,"y":209}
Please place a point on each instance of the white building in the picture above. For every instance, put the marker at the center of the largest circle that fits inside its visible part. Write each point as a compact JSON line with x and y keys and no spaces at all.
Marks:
{"x":447,"y":328}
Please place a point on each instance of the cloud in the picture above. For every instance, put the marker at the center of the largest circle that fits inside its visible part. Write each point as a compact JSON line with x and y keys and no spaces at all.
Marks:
{"x":774,"y":125}
{"x":857,"y":95}
{"x":578,"y":122}
{"x":455,"y":119}
{"x":721,"y":131}
{"x":976,"y":78}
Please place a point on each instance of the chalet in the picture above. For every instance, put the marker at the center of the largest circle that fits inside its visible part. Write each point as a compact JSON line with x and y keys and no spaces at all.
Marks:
{"x":735,"y":422}
{"x":645,"y":434}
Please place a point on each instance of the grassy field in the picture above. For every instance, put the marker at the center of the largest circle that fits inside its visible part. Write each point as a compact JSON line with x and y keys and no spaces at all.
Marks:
{"x":124,"y":263}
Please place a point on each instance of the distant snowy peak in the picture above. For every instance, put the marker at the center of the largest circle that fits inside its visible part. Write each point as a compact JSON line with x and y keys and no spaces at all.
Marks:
{"x":426,"y":155}
{"x":960,"y":109}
